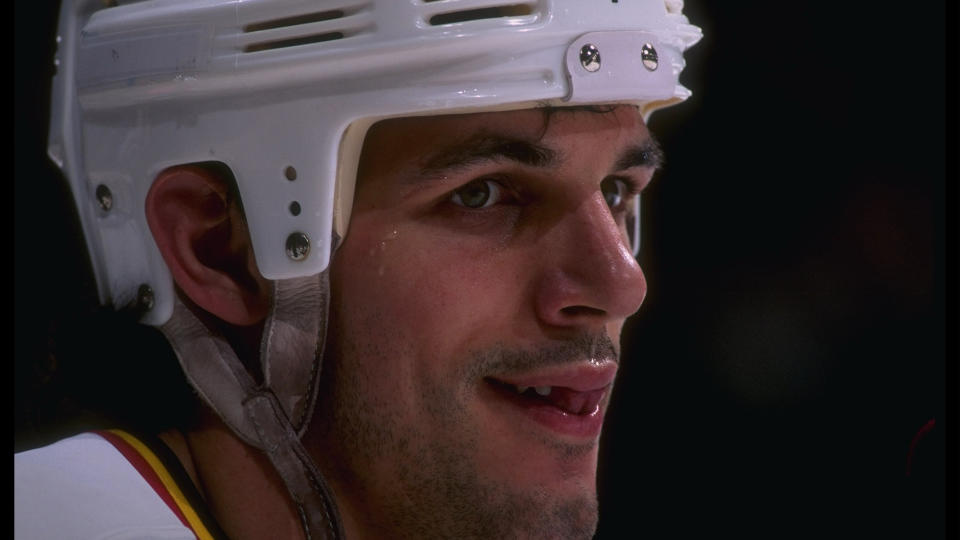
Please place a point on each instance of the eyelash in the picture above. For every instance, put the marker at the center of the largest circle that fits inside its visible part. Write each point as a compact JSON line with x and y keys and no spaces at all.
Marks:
{"x":504,"y":190}
{"x":625,"y":194}
{"x":631,"y":188}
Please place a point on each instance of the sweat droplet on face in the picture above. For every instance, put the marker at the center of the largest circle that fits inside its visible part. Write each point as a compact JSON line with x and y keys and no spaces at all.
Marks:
{"x":392,"y":235}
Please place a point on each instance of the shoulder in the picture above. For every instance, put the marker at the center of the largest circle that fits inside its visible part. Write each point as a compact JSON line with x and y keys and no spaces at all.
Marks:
{"x":84,"y":487}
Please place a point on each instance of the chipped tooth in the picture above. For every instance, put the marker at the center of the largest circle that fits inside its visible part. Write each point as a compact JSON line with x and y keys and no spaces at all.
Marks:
{"x":521,"y":389}
{"x":543,"y":390}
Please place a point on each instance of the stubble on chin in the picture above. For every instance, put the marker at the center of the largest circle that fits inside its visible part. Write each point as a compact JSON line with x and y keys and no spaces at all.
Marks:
{"x":412,"y":483}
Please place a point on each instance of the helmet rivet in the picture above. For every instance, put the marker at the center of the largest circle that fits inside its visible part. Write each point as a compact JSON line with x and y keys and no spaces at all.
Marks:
{"x":648,"y":55}
{"x":104,"y":198}
{"x":590,"y":57}
{"x":145,"y":297}
{"x":298,"y":246}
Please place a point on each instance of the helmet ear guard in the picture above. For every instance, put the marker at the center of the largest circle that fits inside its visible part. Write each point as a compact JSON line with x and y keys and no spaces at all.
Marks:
{"x":146,"y":85}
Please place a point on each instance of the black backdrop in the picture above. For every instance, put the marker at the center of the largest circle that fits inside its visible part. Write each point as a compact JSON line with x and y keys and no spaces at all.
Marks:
{"x":800,"y":252}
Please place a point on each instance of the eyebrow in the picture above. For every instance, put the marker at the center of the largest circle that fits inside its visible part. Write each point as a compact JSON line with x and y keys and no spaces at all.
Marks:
{"x":646,"y":154}
{"x":482,"y":148}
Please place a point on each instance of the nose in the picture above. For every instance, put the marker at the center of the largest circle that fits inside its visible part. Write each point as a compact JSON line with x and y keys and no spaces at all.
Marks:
{"x":591,"y":277}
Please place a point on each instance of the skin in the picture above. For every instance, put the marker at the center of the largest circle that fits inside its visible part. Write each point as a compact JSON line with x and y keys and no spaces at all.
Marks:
{"x":436,"y":309}
{"x":431,"y":299}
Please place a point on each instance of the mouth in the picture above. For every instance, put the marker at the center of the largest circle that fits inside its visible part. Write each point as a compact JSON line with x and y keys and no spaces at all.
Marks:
{"x":571,"y":402}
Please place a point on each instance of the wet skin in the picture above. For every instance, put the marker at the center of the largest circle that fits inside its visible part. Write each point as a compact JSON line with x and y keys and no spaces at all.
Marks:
{"x":486,"y":254}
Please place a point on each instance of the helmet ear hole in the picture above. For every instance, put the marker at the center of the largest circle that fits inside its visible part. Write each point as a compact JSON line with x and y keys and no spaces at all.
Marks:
{"x":195,"y":217}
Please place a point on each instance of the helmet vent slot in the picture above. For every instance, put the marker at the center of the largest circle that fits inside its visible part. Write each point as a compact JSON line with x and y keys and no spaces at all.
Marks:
{"x":295,"y":20}
{"x":291,"y":30}
{"x":292,"y":42}
{"x":477,"y":14}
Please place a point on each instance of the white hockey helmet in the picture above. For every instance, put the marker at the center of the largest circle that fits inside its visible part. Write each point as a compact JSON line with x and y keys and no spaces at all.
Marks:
{"x":283,"y":91}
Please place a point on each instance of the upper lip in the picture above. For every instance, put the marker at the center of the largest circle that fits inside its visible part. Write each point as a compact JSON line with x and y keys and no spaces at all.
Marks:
{"x":580,"y":377}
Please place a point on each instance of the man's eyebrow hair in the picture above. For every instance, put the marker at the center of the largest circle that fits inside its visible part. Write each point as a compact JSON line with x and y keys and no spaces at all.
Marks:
{"x":488,"y":147}
{"x":646,"y":154}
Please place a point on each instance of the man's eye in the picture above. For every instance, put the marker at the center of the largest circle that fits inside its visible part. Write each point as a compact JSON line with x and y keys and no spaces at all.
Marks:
{"x":614,"y":192}
{"x":477,"y":194}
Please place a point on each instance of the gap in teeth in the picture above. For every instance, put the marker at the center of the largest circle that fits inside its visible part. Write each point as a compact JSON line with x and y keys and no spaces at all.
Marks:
{"x":540,"y":390}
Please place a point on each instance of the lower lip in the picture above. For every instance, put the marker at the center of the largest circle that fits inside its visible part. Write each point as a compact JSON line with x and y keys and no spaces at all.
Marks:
{"x":579,"y":426}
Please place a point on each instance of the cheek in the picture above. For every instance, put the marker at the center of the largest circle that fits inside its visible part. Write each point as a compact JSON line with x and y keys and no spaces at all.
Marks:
{"x":427,"y":290}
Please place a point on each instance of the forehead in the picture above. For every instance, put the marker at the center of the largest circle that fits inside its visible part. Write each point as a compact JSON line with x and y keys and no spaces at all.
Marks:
{"x":415,"y":138}
{"x":527,"y":122}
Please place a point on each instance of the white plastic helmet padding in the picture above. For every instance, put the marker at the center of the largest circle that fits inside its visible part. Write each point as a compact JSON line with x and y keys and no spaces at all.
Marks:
{"x":269,"y":87}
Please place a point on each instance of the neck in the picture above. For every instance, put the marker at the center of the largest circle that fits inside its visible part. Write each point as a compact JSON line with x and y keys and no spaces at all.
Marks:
{"x":241,"y":488}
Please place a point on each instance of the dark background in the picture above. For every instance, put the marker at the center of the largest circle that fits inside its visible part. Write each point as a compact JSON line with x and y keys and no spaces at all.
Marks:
{"x":800,"y":327}
{"x":795,"y":336}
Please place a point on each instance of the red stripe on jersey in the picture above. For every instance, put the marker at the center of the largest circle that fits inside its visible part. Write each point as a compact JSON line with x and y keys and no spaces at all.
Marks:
{"x":146,"y":471}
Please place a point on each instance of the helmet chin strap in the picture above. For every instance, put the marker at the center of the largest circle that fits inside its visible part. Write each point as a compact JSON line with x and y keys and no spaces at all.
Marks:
{"x":272,"y":416}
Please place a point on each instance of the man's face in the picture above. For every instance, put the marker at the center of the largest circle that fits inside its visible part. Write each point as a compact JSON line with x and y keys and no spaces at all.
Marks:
{"x":487,"y":263}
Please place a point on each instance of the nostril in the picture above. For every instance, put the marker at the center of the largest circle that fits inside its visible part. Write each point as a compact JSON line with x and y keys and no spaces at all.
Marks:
{"x":574,"y":311}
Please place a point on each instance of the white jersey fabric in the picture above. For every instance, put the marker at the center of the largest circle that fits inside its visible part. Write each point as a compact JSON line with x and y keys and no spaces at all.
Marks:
{"x":84,"y":488}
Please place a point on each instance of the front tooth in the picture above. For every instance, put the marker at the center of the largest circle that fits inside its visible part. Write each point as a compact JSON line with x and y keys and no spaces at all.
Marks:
{"x":543,"y":390}
{"x":522,"y":389}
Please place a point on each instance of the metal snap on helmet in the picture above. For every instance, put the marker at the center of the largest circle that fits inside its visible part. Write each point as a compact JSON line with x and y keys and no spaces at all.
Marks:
{"x":283,"y":91}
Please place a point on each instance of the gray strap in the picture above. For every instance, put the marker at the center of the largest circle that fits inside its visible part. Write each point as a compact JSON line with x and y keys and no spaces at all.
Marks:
{"x":291,"y":352}
{"x":212,"y":368}
{"x":310,"y":493}
{"x":292,"y":345}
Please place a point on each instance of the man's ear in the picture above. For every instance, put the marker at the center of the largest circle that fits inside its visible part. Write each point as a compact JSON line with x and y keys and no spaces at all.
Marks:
{"x":204,"y":240}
